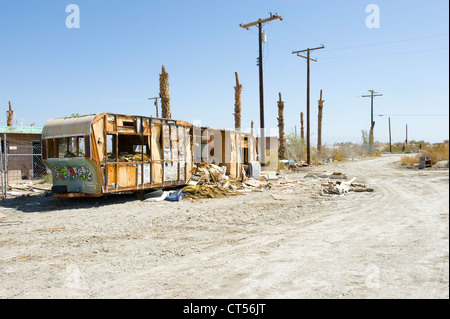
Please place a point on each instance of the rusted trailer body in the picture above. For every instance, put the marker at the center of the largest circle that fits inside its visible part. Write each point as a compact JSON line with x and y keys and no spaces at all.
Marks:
{"x":100,"y":154}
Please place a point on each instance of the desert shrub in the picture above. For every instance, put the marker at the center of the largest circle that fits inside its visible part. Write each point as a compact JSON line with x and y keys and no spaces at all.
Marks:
{"x":337,"y":156}
{"x":376,"y":154}
{"x":437,"y":152}
{"x":295,"y":148}
{"x":409,"y":160}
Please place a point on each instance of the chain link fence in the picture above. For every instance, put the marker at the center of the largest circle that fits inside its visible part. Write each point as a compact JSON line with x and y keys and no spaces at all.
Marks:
{"x":20,"y":160}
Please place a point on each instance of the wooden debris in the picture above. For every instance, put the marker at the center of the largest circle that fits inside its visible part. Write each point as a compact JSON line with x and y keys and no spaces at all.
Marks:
{"x":297,"y":166}
{"x":206,"y":191}
{"x":254,"y":184}
{"x":53,"y":228}
{"x":340,"y":188}
{"x":194,"y":179}
{"x":15,"y":257}
{"x":337,"y":175}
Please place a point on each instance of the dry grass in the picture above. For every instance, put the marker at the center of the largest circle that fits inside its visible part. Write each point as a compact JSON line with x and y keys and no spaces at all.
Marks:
{"x":437,"y":152}
{"x":343,"y":151}
{"x":374,"y":154}
{"x":409,"y":160}
{"x":338,"y":157}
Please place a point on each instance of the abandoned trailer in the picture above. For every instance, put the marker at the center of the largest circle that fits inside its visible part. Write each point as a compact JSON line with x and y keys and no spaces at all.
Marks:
{"x":99,"y":154}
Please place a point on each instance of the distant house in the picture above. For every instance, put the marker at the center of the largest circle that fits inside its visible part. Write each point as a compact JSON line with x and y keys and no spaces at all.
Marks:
{"x":22,"y":152}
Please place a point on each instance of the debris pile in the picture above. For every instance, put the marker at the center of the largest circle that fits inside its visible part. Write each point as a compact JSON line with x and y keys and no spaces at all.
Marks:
{"x":208,"y":191}
{"x":340,"y":188}
{"x":28,"y":188}
{"x":211,"y":173}
{"x":296,"y":166}
{"x":127,"y":157}
{"x":210,"y":181}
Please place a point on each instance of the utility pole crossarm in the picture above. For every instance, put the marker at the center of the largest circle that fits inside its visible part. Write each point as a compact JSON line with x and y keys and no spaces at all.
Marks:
{"x":306,"y":57}
{"x":372,"y":123}
{"x":371,"y":95}
{"x":318,"y":48}
{"x":251,"y":24}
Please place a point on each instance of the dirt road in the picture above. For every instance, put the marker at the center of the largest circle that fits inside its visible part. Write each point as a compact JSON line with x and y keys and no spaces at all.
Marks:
{"x":286,"y":242}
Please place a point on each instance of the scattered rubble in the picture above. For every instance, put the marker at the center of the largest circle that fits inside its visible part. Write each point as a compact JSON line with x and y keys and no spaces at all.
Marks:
{"x":340,"y":188}
{"x":211,"y":181}
{"x":297,"y":166}
{"x":27,"y":188}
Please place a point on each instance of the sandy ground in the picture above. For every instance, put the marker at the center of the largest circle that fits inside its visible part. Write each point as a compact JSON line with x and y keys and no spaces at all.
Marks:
{"x":286,"y":242}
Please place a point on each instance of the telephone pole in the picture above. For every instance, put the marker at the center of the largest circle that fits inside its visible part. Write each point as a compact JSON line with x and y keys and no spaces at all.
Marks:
{"x":308,"y":59}
{"x":372,"y":123}
{"x":259,"y":23}
{"x":406,"y":140}
{"x":302,"y":136}
{"x":156,"y":104}
{"x":390,"y":142}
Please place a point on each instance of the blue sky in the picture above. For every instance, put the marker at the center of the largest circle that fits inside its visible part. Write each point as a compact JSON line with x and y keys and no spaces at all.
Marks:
{"x":113,"y":61}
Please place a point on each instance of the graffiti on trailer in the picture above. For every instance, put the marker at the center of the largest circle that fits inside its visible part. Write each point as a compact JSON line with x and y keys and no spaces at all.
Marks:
{"x":73,"y":173}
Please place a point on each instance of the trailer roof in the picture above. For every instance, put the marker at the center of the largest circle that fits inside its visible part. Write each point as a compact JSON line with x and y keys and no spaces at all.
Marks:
{"x":68,"y":126}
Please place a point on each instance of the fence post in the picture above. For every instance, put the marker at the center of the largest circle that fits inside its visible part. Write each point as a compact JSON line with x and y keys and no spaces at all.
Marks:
{"x":1,"y":170}
{"x":6,"y":164}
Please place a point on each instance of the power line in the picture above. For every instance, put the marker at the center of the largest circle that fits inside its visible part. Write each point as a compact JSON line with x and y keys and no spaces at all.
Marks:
{"x":392,"y":53}
{"x":437,"y":115}
{"x":389,"y":42}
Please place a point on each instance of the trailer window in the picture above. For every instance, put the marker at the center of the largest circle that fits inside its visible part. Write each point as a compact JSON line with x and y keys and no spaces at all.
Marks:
{"x":130,"y":148}
{"x":111,"y":147}
{"x":80,"y":147}
{"x":66,"y":147}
